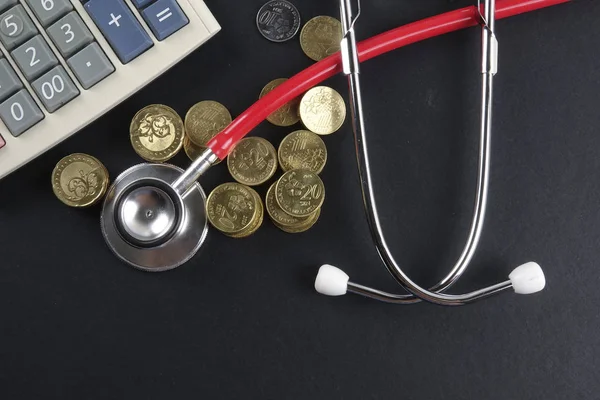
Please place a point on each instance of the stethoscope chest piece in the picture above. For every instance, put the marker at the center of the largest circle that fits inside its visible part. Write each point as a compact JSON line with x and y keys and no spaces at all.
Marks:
{"x":147,"y":224}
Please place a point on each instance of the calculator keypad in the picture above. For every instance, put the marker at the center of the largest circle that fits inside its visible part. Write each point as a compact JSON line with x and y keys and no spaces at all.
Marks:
{"x":70,"y":34}
{"x":34,"y":57}
{"x":43,"y":69}
{"x":20,"y":112}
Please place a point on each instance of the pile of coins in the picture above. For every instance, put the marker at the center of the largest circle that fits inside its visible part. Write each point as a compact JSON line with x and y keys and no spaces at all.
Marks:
{"x":279,"y":21}
{"x":234,"y":208}
{"x":294,"y":201}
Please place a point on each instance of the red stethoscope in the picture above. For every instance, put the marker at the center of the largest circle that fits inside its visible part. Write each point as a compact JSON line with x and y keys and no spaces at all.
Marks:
{"x":154,"y":217}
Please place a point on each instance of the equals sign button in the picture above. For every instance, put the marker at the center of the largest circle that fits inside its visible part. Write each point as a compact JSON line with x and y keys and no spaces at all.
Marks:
{"x":164,"y":14}
{"x":164,"y":18}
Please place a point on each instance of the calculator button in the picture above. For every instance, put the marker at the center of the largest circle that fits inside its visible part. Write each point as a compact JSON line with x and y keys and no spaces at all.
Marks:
{"x":34,"y":57}
{"x":165,"y":18}
{"x":90,"y":65}
{"x":118,"y":25}
{"x":4,"y":4}
{"x":55,"y":89}
{"x":70,"y":34}
{"x":141,"y":3}
{"x":16,"y":27}
{"x":48,"y":11}
{"x":20,"y":113}
{"x":2,"y":142}
{"x":9,"y":81}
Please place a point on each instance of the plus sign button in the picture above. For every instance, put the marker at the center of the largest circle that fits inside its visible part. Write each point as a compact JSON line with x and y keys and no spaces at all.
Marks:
{"x":120,"y":28}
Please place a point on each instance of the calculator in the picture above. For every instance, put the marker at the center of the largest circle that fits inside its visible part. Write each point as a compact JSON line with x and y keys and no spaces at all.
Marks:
{"x":64,"y":63}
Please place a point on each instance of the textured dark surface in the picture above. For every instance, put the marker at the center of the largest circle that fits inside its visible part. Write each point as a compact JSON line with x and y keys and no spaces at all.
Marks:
{"x":242,"y":319}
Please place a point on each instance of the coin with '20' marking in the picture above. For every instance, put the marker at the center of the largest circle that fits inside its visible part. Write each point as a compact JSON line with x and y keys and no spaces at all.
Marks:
{"x":278,"y":20}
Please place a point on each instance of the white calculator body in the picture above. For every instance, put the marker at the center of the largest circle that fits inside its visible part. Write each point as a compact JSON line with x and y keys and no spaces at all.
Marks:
{"x":65,"y":63}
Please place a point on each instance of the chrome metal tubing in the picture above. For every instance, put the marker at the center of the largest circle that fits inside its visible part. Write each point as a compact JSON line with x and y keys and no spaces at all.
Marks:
{"x":194,"y":171}
{"x":350,"y":63}
{"x":402,"y":299}
{"x":434,"y":295}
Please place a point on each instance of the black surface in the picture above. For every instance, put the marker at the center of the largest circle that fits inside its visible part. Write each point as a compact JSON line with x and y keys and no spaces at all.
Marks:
{"x":242,"y":319}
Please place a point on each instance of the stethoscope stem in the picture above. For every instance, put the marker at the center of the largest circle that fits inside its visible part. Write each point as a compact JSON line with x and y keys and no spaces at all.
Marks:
{"x":189,"y":177}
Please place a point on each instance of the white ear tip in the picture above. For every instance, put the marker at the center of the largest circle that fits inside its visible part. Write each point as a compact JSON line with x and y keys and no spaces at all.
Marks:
{"x":331,"y":281}
{"x":528,"y":278}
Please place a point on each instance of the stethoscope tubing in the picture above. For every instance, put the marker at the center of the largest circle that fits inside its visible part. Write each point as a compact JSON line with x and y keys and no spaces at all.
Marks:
{"x":220,"y":146}
{"x":370,"y":48}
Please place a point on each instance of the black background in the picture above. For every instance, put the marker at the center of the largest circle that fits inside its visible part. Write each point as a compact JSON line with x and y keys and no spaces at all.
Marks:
{"x":242,"y":319}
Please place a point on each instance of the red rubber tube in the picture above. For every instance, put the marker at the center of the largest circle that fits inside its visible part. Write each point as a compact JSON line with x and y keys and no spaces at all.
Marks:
{"x":367,"y":49}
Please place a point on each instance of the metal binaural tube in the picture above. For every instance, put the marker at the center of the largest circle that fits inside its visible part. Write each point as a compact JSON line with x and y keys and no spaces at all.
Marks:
{"x":434,"y":295}
{"x":403,"y":299}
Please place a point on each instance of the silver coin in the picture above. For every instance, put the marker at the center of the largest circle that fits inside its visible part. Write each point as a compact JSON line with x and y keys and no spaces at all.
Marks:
{"x":278,"y":20}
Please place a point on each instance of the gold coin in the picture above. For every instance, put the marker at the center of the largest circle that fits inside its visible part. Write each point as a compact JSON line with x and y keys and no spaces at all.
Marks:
{"x":258,"y":220}
{"x":321,"y":37}
{"x":277,"y":215}
{"x":156,"y":133}
{"x":193,"y":151}
{"x":322,"y":110}
{"x":302,"y":150}
{"x":299,"y":192}
{"x":287,"y":114}
{"x":79,"y":180}
{"x":252,"y":161}
{"x":312,"y":220}
{"x":205,"y":120}
{"x":231,"y":208}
